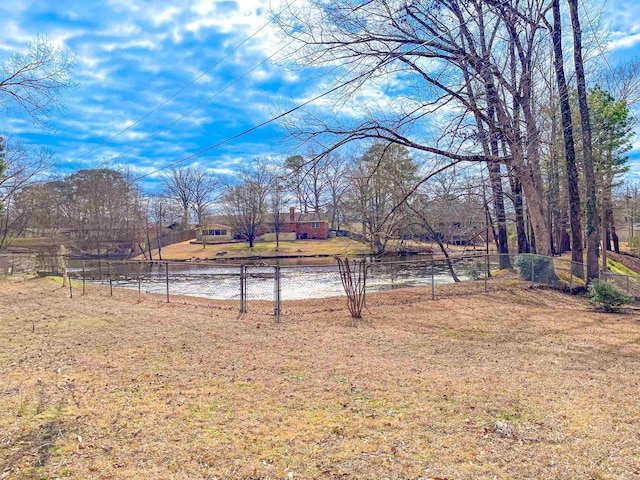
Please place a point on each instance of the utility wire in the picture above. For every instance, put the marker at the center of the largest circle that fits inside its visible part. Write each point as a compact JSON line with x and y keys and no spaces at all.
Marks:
{"x":255,"y":127}
{"x":167,"y":100}
{"x":233,"y":82}
{"x":288,"y":112}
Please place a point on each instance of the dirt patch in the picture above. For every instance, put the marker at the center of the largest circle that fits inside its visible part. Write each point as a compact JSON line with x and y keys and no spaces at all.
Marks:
{"x":512,"y":383}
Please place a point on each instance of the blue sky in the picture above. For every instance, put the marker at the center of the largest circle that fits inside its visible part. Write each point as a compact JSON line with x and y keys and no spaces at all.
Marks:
{"x":133,"y":54}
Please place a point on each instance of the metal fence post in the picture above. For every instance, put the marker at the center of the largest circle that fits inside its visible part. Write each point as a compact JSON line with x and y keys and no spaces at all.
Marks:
{"x":365,"y":271}
{"x":110,"y":280}
{"x":486,"y":272}
{"x":167,"y":278}
{"x":277,"y":303}
{"x":433,"y":279}
{"x":243,"y":293}
{"x":84,"y":279}
{"x":70,"y":288}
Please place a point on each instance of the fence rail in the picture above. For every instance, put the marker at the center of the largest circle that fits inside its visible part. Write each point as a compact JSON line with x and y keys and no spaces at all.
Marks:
{"x":271,"y":289}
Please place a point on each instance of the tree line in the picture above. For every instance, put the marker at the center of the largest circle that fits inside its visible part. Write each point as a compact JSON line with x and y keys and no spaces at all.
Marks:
{"x":105,"y":211}
{"x":485,"y":82}
{"x":488,"y":110}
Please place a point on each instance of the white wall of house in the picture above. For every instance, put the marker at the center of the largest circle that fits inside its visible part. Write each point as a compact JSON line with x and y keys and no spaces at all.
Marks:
{"x":214,"y":233}
{"x":284,"y":237}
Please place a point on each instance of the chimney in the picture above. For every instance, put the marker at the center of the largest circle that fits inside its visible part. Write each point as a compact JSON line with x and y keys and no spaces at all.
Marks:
{"x":292,"y":214}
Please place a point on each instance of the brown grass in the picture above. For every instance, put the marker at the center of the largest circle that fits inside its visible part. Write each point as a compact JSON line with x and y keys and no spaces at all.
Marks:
{"x":333,"y":246}
{"x":515,"y":383}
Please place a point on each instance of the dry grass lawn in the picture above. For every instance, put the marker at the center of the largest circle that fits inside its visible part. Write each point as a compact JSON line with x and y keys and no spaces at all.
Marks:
{"x":514,"y":383}
{"x":333,"y":246}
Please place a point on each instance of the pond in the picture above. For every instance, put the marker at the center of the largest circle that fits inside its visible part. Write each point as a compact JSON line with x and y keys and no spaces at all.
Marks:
{"x":298,"y":282}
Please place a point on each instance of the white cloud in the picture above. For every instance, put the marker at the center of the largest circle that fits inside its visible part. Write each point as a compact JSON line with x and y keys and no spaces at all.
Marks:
{"x":628,"y":41}
{"x":165,"y":16}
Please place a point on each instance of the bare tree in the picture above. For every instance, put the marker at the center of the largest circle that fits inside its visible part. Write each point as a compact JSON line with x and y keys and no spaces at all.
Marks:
{"x":103,"y":208}
{"x":623,"y":80}
{"x":193,"y":188}
{"x":177,"y":184}
{"x":378,"y":182}
{"x":206,"y":191}
{"x":337,"y":173}
{"x":569,"y":147}
{"x":471,"y":62}
{"x":246,"y":202}
{"x":35,"y":80}
{"x":278,"y":199}
{"x":592,"y":220}
{"x":24,"y":165}
{"x":307,"y":179}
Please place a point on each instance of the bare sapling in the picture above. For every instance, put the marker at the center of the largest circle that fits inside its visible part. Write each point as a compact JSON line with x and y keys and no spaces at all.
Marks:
{"x":354,"y":280}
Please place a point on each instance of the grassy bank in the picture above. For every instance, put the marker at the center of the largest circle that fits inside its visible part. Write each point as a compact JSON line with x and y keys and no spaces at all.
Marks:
{"x":239,"y":250}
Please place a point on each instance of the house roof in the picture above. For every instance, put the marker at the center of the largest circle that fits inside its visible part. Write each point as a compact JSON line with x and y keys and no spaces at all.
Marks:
{"x":213,"y":226}
{"x":303,"y":217}
{"x":285,"y":217}
{"x":216,"y":219}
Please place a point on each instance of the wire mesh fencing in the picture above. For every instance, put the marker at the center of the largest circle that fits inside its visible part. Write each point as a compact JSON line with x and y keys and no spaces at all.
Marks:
{"x":286,"y":289}
{"x":630,"y":284}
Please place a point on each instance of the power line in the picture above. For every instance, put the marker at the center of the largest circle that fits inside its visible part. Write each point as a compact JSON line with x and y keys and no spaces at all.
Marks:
{"x":272,"y":119}
{"x":288,"y":112}
{"x":167,"y":100}
{"x":233,"y":82}
{"x":255,"y":127}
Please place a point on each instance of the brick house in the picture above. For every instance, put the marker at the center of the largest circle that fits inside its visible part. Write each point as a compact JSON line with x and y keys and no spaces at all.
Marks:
{"x":305,"y":225}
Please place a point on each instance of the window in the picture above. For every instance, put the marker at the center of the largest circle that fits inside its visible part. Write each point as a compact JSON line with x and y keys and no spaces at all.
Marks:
{"x":315,"y":224}
{"x":214,"y":232}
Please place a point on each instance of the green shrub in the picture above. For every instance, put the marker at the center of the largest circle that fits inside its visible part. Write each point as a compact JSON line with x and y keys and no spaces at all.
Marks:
{"x":606,"y":295}
{"x":476,"y":270}
{"x":536,"y":268}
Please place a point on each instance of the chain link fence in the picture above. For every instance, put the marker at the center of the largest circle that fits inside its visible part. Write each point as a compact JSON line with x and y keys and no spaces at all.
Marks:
{"x":630,"y":284}
{"x":283,"y":289}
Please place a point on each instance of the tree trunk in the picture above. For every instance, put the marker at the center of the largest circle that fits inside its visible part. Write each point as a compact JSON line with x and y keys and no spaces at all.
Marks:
{"x":611,"y":228}
{"x":577,"y":265}
{"x":494,"y":167}
{"x":589,"y":177}
{"x":158,"y":241}
{"x":555,"y":210}
{"x":516,"y":192}
{"x":616,"y":240}
{"x":148,"y":243}
{"x":537,"y":217}
{"x":436,"y":237}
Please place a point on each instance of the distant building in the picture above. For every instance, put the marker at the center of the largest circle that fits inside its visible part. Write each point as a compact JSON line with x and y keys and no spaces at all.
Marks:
{"x":305,"y":225}
{"x":214,"y":232}
{"x":216,"y":228}
{"x":295,"y":225}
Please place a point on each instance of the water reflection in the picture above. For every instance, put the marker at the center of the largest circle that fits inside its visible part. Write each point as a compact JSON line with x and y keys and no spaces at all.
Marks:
{"x":220,"y":281}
